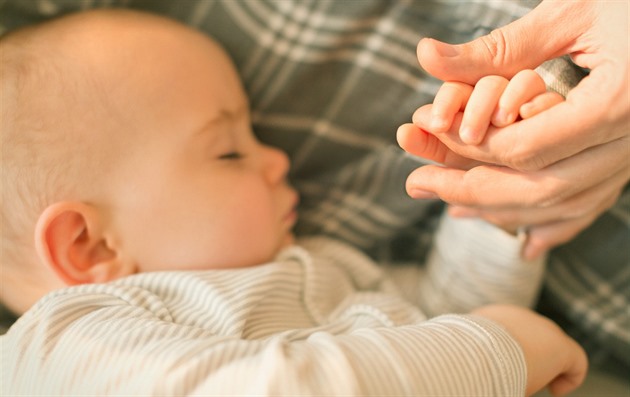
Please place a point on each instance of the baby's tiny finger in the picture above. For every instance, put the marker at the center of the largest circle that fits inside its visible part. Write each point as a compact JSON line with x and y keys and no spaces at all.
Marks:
{"x":524,"y":86}
{"x":540,"y":103}
{"x":481,"y":105}
{"x":450,"y":99}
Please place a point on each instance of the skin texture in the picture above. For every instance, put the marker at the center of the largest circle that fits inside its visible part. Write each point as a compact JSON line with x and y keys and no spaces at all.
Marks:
{"x":180,"y":182}
{"x":556,"y":183}
{"x":495,"y":101}
{"x":553,"y":359}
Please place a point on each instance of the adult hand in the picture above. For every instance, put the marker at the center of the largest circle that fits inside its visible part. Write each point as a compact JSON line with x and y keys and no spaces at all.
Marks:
{"x":553,"y":359}
{"x":560,"y":160}
{"x":557,"y":202}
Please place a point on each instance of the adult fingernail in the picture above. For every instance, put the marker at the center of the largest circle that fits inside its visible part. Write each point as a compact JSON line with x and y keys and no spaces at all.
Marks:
{"x":445,"y":50}
{"x":422,"y":194}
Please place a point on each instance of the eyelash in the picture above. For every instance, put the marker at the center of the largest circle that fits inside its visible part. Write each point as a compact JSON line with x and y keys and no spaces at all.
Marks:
{"x":231,"y":156}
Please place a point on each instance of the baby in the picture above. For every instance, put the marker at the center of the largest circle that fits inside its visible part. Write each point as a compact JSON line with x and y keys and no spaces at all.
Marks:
{"x":147,"y":245}
{"x":124,"y":166}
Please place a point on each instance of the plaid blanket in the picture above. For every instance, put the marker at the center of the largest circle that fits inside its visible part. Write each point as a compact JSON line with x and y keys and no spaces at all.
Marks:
{"x":330,"y":81}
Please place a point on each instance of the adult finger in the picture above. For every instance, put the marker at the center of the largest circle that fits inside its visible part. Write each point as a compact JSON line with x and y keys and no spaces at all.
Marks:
{"x":545,"y":236}
{"x":594,"y":200}
{"x":504,"y":51}
{"x":537,"y":142}
{"x":495,"y":186}
{"x":594,"y":34}
{"x":420,"y":143}
{"x":542,"y":238}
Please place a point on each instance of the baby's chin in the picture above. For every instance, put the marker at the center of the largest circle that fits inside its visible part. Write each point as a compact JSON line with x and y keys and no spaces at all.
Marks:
{"x":287,"y":241}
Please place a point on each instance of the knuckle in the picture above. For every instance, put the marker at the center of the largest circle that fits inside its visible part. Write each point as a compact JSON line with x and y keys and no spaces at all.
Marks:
{"x":461,"y":193}
{"x":524,"y":157}
{"x":551,"y":192}
{"x":495,"y":44}
{"x":458,"y":196}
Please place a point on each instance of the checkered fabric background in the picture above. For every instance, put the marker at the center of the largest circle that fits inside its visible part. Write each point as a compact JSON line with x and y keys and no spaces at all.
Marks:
{"x":331,"y":80}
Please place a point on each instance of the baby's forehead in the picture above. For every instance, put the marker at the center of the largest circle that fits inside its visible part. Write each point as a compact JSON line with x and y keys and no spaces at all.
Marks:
{"x":120,"y":40}
{"x":121,"y":65}
{"x":106,"y":46}
{"x":104,"y":36}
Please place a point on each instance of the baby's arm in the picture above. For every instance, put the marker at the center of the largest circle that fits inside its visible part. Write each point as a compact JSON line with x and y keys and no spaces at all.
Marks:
{"x":553,"y":359}
{"x":476,"y":267}
{"x":125,"y":341}
{"x":471,"y":263}
{"x":493,"y":100}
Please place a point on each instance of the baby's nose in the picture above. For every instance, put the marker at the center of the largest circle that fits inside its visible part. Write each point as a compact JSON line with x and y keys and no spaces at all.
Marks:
{"x":276,"y":163}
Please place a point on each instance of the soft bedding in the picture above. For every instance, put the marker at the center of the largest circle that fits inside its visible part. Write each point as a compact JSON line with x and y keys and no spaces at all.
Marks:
{"x":330,"y":81}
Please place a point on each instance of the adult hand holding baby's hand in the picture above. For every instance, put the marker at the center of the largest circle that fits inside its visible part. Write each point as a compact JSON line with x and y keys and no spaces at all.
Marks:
{"x":556,"y":202}
{"x":559,"y":170}
{"x":553,"y":358}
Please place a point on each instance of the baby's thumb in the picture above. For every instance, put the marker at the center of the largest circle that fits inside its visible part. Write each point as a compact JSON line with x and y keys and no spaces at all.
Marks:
{"x":523,"y":44}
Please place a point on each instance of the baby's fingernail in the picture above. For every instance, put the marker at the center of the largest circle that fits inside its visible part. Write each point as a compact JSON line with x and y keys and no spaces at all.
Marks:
{"x":526,"y":110}
{"x":438,"y":123}
{"x":502,"y":118}
{"x":468,"y":136}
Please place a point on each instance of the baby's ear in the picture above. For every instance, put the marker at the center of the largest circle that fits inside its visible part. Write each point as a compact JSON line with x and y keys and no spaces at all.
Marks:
{"x":70,"y":240}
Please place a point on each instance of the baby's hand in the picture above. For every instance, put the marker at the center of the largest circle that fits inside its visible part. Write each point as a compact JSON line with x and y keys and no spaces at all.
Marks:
{"x":553,"y":358}
{"x":493,"y":100}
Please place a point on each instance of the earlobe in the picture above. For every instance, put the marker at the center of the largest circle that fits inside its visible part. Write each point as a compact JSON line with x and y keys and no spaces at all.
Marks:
{"x":70,"y":240}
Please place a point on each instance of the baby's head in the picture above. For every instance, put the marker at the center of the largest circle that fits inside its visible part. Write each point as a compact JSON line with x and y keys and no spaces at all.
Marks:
{"x":127,"y":147}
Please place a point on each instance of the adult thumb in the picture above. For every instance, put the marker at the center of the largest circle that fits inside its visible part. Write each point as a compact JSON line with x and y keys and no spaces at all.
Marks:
{"x":546,"y":32}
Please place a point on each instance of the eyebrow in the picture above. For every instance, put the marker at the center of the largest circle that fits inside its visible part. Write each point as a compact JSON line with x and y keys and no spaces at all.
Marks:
{"x":225,"y":114}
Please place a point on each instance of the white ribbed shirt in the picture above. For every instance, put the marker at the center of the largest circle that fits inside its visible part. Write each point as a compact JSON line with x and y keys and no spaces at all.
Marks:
{"x":320,"y":320}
